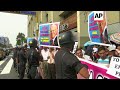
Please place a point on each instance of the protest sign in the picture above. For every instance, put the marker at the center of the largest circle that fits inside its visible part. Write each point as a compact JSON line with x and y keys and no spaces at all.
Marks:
{"x":48,"y":33}
{"x":96,"y":71}
{"x":97,"y":28}
{"x":114,"y":68}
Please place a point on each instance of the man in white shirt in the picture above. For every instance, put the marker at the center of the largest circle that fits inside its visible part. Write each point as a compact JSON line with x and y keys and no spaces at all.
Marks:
{"x":44,"y":65}
{"x":51,"y":63}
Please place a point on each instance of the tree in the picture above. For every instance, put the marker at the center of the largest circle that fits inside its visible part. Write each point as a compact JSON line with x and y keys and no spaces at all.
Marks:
{"x":20,"y":39}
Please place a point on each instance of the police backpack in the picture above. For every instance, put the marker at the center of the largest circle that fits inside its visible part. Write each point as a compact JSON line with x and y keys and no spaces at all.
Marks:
{"x":32,"y":60}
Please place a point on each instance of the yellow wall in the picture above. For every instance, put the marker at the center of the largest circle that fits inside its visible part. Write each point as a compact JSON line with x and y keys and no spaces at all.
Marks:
{"x":49,"y":16}
{"x":83,"y":27}
{"x":78,"y":27}
{"x":82,"y":24}
{"x":43,"y":17}
{"x":112,"y":17}
{"x":56,"y":17}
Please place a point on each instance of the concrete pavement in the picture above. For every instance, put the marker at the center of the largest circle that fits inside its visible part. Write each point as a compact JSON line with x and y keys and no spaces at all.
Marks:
{"x":7,"y":70}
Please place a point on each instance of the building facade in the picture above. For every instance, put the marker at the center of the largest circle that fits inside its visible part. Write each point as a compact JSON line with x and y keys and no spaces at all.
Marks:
{"x":113,"y":24}
{"x":68,"y":22}
{"x":41,"y":17}
{"x":75,"y":21}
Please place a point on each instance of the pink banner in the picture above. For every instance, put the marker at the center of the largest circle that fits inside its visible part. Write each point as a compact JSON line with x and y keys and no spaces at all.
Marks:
{"x":96,"y":71}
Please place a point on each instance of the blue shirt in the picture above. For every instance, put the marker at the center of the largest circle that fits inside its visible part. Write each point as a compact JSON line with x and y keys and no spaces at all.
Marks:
{"x":105,"y":61}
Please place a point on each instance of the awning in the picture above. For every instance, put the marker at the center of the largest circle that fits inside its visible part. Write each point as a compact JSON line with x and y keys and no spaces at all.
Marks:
{"x":115,"y":38}
{"x":113,"y":28}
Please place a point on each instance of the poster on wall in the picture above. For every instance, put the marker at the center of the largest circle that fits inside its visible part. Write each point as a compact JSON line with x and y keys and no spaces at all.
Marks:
{"x":48,"y":34}
{"x":97,"y":28}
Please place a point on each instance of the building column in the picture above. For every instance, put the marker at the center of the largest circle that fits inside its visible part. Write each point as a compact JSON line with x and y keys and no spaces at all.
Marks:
{"x":119,"y":16}
{"x":78,"y":27}
{"x":41,"y":16}
{"x":52,"y":16}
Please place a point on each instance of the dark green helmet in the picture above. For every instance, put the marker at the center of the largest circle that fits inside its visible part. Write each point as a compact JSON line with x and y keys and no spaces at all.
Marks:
{"x":33,"y":43}
{"x":66,"y":38}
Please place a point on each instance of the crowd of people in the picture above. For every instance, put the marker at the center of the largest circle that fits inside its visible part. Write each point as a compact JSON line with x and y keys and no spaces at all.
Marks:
{"x":60,"y":63}
{"x":98,"y":53}
{"x":45,"y":62}
{"x":36,"y":62}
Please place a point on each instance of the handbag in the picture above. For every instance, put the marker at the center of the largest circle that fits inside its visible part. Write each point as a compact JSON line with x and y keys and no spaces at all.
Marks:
{"x":39,"y":73}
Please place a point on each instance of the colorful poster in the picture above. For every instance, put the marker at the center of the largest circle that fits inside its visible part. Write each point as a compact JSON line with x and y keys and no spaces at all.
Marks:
{"x":44,"y":35}
{"x":48,"y":34}
{"x":28,"y":41}
{"x":96,"y":71}
{"x":97,"y":30}
{"x":114,"y":68}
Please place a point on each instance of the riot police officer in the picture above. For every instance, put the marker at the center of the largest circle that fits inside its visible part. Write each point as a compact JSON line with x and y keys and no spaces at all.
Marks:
{"x":33,"y":59}
{"x":67,"y":65}
{"x":22,"y":62}
{"x":17,"y":60}
{"x":15,"y":57}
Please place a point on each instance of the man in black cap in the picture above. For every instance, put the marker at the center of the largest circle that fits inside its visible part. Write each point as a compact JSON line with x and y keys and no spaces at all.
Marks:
{"x":15,"y":57}
{"x":22,"y":62}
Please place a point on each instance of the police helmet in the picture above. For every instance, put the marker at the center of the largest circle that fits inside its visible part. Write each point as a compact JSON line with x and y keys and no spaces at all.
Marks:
{"x":33,"y":43}
{"x":66,"y":38}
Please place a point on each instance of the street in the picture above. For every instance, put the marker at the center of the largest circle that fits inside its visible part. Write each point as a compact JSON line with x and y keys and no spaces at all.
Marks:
{"x":7,"y":70}
{"x":59,"y":44}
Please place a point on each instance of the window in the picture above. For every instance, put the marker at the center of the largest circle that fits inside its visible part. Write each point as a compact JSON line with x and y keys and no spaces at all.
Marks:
{"x":47,"y":17}
{"x":66,"y":14}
